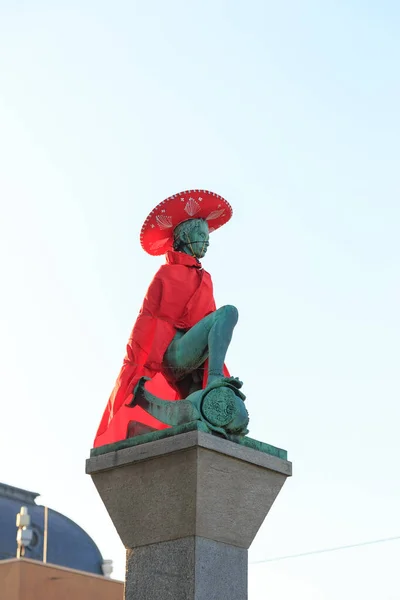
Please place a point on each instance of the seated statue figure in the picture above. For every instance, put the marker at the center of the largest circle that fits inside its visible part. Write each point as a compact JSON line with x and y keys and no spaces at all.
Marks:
{"x":180,"y":339}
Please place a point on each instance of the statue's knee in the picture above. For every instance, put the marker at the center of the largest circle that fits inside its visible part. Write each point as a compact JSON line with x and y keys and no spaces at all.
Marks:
{"x":230,"y":312}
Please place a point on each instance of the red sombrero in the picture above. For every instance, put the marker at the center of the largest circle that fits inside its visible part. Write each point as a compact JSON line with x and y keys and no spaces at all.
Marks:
{"x":157,"y":234}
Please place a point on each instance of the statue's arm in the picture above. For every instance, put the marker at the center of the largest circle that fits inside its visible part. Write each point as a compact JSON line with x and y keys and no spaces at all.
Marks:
{"x":154,"y":296}
{"x":156,"y":325}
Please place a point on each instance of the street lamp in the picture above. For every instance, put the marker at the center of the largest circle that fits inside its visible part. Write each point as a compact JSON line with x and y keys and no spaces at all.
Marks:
{"x":24,"y":533}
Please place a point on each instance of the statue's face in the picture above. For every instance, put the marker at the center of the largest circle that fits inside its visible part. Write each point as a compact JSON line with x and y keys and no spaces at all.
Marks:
{"x":196,"y":240}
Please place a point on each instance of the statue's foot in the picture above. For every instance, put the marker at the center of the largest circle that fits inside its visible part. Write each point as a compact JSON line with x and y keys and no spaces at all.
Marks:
{"x":214,"y":380}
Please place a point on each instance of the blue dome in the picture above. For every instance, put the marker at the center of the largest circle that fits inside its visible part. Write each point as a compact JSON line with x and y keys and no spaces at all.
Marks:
{"x":68,"y":545}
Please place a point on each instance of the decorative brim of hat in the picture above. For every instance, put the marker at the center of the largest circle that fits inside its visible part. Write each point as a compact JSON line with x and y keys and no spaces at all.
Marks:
{"x":157,"y":234}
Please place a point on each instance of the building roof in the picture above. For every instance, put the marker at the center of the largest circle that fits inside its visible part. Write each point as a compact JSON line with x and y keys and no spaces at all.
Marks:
{"x":68,"y":545}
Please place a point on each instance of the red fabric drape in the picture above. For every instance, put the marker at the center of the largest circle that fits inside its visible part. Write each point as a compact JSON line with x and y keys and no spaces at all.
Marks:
{"x":180,"y":295}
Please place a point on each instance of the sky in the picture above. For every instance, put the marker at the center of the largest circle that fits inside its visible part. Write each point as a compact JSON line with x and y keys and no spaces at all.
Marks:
{"x":289,"y":110}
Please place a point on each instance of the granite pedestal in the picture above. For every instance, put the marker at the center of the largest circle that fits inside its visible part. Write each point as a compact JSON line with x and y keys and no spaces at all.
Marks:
{"x":187,"y":509}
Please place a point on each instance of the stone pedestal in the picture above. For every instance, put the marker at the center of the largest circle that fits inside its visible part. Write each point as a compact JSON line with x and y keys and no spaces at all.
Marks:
{"x":187,"y":509}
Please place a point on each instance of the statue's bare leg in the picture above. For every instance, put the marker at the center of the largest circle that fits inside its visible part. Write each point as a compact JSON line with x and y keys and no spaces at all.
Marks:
{"x":209,"y":338}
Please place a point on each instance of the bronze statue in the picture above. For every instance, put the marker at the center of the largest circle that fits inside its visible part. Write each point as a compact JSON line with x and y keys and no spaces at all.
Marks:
{"x":178,"y":345}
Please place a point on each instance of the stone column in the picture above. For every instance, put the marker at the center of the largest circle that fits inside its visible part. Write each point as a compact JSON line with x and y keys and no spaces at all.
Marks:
{"x":187,"y":509}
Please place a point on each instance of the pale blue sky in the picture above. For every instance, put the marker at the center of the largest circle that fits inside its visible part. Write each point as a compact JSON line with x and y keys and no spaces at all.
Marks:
{"x":290,"y":110}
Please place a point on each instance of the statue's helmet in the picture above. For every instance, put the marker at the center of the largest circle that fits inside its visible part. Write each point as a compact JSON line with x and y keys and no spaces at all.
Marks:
{"x":157,"y":233}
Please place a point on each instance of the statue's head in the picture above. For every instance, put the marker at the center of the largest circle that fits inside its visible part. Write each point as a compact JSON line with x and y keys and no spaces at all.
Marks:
{"x":191,"y":237}
{"x":182,"y":220}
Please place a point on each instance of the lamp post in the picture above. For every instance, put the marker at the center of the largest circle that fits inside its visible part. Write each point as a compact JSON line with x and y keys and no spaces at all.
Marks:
{"x":24,"y":533}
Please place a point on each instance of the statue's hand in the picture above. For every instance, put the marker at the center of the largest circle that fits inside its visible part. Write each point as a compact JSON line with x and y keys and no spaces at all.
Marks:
{"x":234,"y":381}
{"x":217,"y":380}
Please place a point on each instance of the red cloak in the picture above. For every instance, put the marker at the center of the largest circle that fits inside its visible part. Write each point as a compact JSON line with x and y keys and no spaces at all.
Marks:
{"x":180,"y":295}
